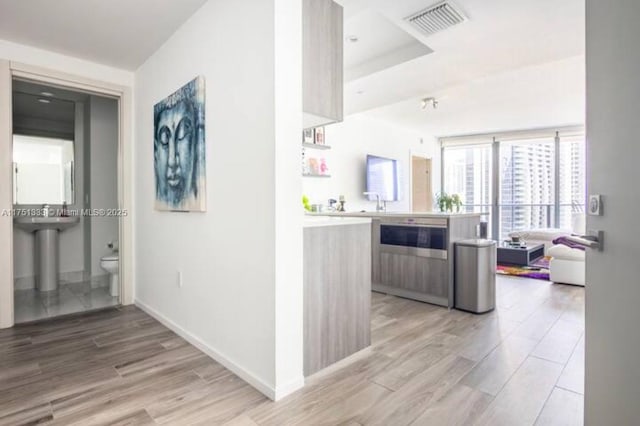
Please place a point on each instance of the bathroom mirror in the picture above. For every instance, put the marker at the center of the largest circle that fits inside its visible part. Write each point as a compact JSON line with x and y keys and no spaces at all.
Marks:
{"x":43,"y":170}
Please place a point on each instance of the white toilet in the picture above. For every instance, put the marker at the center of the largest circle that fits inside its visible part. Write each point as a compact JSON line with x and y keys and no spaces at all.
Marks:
{"x":110,"y":264}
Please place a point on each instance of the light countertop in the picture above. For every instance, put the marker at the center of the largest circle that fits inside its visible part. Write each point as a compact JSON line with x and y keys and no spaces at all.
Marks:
{"x":324,"y":220}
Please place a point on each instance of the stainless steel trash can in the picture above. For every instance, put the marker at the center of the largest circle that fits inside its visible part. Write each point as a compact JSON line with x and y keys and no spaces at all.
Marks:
{"x":475,"y":275}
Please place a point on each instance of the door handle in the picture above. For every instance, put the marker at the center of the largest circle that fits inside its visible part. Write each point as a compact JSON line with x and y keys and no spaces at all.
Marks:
{"x":593,"y":241}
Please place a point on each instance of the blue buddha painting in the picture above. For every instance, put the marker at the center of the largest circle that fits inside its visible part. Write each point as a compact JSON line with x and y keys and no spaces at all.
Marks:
{"x":179,"y":149}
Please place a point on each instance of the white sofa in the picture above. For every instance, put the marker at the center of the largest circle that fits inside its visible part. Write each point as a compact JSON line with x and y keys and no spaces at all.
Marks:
{"x":541,"y":236}
{"x":567,"y":265}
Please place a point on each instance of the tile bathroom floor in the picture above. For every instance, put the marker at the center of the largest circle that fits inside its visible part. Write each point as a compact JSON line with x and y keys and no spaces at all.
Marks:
{"x":32,"y":305}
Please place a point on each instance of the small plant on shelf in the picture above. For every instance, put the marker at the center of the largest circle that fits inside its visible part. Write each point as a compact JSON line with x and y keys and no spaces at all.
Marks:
{"x":447,"y":202}
{"x":305,"y":203}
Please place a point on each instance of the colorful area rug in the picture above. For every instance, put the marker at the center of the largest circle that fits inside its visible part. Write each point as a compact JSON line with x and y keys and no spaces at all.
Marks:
{"x":539,"y":270}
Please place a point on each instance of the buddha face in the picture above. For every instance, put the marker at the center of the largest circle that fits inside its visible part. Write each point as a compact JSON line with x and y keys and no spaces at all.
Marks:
{"x":175,"y":153}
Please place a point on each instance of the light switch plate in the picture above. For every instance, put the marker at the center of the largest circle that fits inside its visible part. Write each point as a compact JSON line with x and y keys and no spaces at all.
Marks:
{"x":595,"y":205}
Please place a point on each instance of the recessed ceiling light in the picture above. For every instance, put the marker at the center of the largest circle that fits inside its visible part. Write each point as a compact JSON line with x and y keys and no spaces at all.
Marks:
{"x":352,"y":38}
{"x":44,"y":101}
{"x":359,"y":92}
{"x":47,"y":94}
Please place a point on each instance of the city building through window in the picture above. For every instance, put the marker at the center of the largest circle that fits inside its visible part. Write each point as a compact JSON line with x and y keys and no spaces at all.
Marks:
{"x":520,"y":181}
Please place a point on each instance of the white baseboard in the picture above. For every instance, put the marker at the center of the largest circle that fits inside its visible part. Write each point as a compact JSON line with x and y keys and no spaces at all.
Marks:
{"x":289,"y":388}
{"x":272,"y":393}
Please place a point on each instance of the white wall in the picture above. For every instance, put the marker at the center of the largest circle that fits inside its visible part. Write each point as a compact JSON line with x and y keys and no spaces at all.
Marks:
{"x":103,"y":176}
{"x":63,"y":63}
{"x":238,"y":301}
{"x":288,"y":186}
{"x":613,"y":290}
{"x":351,"y":141}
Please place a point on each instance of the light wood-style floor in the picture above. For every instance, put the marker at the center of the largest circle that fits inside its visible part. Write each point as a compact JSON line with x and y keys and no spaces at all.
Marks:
{"x":520,"y":365}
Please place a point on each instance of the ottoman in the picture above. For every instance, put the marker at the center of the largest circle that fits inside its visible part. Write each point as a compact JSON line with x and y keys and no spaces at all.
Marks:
{"x":567,"y":265}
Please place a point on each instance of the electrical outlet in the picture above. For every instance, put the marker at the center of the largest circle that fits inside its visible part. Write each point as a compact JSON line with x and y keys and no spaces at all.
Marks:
{"x":179,"y":279}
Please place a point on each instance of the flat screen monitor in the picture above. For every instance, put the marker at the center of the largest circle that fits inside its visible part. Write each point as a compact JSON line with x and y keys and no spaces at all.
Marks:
{"x":382,"y":178}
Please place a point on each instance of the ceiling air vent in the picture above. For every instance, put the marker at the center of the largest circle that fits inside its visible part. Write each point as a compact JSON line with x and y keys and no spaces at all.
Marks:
{"x":436,"y":18}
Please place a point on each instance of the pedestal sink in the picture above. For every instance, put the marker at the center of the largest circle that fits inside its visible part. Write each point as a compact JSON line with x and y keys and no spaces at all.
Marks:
{"x":46,"y":255}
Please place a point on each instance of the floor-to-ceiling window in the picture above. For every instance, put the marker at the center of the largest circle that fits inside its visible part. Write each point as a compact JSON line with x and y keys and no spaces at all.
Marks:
{"x":572,"y":183}
{"x":467,"y":172}
{"x":538,"y":176}
{"x":527,"y":185}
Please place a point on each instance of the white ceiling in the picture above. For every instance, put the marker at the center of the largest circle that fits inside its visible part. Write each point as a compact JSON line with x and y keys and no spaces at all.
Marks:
{"x":499,"y":36}
{"x":120,"y":33}
{"x":381,"y":44}
{"x":388,"y":70}
{"x":538,"y":96}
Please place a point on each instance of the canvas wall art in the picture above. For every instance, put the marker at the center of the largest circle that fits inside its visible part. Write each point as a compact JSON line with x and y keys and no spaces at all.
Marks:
{"x":179,"y":149}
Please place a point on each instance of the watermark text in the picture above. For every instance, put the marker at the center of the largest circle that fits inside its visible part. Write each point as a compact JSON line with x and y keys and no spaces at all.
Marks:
{"x":58,"y":212}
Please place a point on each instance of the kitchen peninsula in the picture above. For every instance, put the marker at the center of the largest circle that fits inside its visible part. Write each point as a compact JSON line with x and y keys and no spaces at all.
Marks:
{"x":412,"y":254}
{"x":337,"y":289}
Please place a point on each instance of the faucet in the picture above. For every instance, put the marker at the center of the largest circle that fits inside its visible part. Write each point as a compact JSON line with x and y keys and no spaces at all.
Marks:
{"x":380,"y":206}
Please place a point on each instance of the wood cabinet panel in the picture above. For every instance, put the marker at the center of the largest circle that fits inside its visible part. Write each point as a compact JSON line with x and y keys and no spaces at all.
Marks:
{"x":414,"y":273}
{"x":322,"y":58}
{"x":337,"y":293}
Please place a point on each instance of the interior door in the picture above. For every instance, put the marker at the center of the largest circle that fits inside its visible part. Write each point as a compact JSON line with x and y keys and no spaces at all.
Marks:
{"x":421,"y":190}
{"x":612,"y":316}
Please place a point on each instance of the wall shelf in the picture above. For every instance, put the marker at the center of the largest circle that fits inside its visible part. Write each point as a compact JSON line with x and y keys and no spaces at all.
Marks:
{"x":315,"y":175}
{"x":315,"y":146}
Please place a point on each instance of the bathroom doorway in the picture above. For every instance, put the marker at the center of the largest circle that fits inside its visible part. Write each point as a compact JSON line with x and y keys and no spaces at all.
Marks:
{"x":59,"y":79}
{"x":65,"y":201}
